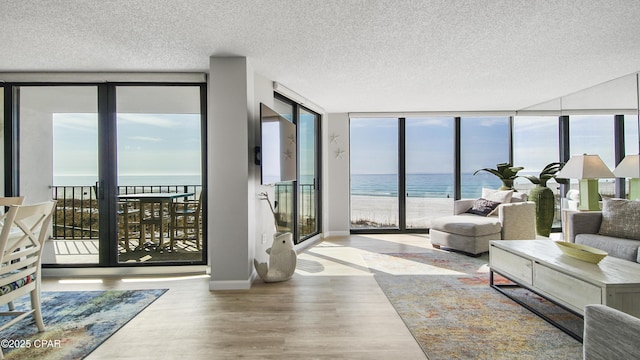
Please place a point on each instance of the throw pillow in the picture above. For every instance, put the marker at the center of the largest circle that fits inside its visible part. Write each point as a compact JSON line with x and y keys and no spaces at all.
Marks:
{"x":483,"y":207}
{"x":620,"y":218}
{"x":501,"y":196}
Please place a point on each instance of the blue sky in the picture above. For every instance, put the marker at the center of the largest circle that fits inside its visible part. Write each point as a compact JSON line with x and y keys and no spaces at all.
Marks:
{"x":148,"y":144}
{"x":374,"y":142}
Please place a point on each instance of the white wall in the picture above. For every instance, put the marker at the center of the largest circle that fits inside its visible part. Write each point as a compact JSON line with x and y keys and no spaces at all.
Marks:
{"x":237,"y":218}
{"x":228,"y":144}
{"x":336,"y":211}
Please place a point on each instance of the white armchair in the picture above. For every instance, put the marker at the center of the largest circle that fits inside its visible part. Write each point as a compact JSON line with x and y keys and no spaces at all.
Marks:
{"x":471,"y":233}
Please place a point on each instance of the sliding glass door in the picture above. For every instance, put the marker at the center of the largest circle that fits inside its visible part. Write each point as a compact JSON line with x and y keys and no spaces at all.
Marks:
{"x":308,"y":185}
{"x":159,"y":173}
{"x":298,"y":202}
{"x":59,"y":159}
{"x":125,"y":164}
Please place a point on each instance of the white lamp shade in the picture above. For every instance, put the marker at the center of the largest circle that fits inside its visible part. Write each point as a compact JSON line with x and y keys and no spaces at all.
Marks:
{"x":585,"y":167}
{"x":629,"y":167}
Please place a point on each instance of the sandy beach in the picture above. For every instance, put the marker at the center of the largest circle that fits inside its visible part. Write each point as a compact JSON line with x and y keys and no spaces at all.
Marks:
{"x":382,"y":211}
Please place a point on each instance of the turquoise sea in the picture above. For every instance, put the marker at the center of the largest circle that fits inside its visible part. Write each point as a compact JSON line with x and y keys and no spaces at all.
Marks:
{"x":418,"y":185}
{"x":422,"y":185}
{"x":130,"y":180}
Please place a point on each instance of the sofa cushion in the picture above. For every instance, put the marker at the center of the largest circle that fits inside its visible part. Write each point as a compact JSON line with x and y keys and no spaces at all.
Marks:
{"x":519,"y":197}
{"x":467,"y":225}
{"x":620,"y":218}
{"x":483,"y":207}
{"x":501,"y":196}
{"x":614,"y":246}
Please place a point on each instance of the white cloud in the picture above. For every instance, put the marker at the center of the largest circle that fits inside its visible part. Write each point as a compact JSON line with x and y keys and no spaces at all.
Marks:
{"x":145,"y":138}
{"x":149,"y":119}
{"x":78,"y":122}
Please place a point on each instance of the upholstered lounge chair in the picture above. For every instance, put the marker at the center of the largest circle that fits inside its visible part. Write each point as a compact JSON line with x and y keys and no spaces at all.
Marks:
{"x":471,"y":233}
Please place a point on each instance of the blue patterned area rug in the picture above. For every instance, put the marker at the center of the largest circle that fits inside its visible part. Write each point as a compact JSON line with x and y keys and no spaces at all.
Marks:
{"x":76,"y":322}
{"x":447,"y":304}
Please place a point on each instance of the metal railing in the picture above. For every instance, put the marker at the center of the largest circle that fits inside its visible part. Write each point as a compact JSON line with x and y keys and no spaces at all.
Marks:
{"x":306,"y":206}
{"x":76,"y":215}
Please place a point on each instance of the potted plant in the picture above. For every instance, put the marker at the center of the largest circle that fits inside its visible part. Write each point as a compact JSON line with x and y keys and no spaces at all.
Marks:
{"x":505,"y":172}
{"x":544,"y":197}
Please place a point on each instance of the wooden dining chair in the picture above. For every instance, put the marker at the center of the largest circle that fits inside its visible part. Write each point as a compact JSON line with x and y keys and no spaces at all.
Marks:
{"x":8,"y":201}
{"x":129,"y":226}
{"x":185,"y":223}
{"x":25,"y":229}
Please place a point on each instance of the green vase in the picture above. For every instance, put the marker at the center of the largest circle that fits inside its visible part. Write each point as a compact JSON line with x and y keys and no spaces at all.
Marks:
{"x":545,"y":208}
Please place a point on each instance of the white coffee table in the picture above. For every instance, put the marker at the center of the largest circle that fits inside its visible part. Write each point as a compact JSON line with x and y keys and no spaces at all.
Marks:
{"x":540,"y":266}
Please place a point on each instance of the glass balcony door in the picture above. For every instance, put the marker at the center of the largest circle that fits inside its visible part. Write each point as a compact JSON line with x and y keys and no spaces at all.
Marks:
{"x":308,"y":193}
{"x":128,"y":182}
{"x":159,"y":174}
{"x":59,"y":159}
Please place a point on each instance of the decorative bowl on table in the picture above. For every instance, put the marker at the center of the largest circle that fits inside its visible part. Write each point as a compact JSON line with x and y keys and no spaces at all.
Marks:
{"x":581,"y":252}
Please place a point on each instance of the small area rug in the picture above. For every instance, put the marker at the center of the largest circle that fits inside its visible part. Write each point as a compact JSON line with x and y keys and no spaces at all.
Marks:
{"x":446,"y":302}
{"x":76,"y":322}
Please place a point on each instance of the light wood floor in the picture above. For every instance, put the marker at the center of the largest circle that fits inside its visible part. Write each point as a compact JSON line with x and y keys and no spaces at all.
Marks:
{"x":331,"y":309}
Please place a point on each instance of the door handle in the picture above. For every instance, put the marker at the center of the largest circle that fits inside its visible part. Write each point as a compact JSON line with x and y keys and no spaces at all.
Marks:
{"x":100,"y":189}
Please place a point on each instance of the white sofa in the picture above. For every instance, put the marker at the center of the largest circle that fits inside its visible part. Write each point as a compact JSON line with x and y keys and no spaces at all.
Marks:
{"x":470,"y":233}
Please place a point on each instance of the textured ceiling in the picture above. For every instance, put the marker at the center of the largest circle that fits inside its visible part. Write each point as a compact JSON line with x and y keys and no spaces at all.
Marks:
{"x":356,"y":55}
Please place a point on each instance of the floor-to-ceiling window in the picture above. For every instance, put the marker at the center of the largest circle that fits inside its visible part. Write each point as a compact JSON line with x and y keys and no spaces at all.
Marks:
{"x":535,"y":145}
{"x":429,"y":169}
{"x":402,"y":172}
{"x":374,"y":173}
{"x":631,"y":145}
{"x":298,"y":202}
{"x":308,"y":180}
{"x":484,"y":143}
{"x":594,"y":135}
{"x":125,"y":164}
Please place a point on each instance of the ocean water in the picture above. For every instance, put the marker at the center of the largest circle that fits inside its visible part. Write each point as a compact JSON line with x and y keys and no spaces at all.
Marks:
{"x":422,"y":185}
{"x":130,"y":180}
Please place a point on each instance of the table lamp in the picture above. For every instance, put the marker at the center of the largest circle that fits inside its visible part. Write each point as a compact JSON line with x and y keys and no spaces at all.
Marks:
{"x":629,"y":167}
{"x":587,"y":169}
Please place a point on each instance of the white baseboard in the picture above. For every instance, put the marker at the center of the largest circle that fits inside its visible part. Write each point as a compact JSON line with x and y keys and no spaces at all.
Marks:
{"x":233,"y":284}
{"x":126,"y":271}
{"x":311,"y":242}
{"x":335,"y":233}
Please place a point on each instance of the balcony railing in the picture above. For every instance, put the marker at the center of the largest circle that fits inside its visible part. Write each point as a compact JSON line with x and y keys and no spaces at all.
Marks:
{"x":76,"y":215}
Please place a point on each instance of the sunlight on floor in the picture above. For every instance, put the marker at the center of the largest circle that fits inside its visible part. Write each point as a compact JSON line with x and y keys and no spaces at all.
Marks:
{"x":345,"y":256}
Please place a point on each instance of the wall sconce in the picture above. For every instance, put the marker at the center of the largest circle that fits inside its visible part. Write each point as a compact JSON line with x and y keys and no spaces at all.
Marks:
{"x":587,"y":169}
{"x":629,"y":167}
